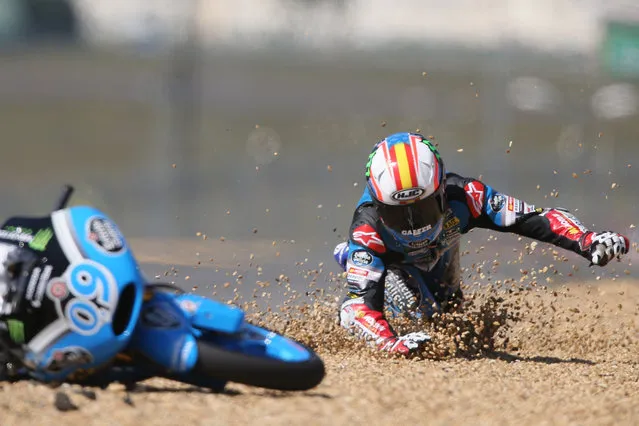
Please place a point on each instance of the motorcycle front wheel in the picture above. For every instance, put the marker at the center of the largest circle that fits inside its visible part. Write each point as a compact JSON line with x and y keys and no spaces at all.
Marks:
{"x":262,"y":358}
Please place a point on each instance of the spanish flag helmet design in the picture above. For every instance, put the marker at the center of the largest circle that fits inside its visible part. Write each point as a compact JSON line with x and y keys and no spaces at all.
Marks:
{"x":406,"y":178}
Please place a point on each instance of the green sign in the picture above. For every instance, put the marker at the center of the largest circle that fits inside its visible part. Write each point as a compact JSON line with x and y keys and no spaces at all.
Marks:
{"x":620,"y":50}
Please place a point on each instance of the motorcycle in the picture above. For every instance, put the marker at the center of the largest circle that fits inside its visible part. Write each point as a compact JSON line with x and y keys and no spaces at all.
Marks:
{"x":177,"y":335}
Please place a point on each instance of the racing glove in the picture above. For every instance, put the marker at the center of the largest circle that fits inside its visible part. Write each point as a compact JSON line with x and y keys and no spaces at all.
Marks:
{"x":601,"y":248}
{"x":370,"y":324}
{"x":406,"y":344}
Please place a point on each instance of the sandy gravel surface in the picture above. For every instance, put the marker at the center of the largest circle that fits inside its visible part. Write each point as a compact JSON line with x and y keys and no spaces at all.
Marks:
{"x":567,"y":356}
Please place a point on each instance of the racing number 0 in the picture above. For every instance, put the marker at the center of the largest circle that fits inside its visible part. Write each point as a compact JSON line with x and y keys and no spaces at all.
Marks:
{"x":89,"y":283}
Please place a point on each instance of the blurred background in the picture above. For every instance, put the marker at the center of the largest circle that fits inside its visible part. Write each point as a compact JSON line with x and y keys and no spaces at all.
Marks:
{"x":237,"y":130}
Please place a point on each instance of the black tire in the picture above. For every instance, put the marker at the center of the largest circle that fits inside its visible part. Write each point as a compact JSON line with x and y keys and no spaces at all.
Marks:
{"x":270,"y":373}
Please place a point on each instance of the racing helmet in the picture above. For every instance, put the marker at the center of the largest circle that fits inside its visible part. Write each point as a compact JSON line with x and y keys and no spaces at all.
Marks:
{"x":406,"y":178}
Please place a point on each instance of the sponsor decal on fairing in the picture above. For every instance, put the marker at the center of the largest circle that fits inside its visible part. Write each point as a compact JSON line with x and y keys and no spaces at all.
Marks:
{"x":38,"y":285}
{"x":16,"y":236}
{"x":105,"y":235}
{"x":189,"y":306}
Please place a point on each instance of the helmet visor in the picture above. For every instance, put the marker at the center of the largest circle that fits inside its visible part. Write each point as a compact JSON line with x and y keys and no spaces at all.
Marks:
{"x":413,"y":219}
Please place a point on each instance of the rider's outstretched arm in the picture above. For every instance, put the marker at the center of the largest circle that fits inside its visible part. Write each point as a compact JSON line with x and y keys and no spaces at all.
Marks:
{"x":491,"y":209}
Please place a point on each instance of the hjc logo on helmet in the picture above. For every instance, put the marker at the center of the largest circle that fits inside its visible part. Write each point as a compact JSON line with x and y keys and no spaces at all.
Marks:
{"x":407,"y":194}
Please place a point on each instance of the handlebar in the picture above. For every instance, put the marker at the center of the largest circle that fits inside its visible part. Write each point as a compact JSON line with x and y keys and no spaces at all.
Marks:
{"x":67,"y":191}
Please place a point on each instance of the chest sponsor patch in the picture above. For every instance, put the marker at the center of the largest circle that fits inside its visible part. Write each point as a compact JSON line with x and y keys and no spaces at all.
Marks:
{"x":454,"y":221}
{"x":362,"y":276}
{"x":497,"y":202}
{"x":362,"y":258}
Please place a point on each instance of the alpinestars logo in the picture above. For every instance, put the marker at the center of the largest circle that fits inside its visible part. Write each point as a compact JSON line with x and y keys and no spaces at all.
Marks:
{"x":367,"y":236}
{"x":475,"y":197}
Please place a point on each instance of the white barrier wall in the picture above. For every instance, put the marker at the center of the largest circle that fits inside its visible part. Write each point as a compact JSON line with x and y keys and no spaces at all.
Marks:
{"x":545,"y":24}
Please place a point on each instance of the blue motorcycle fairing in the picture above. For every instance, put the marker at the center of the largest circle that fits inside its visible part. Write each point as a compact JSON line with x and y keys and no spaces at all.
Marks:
{"x":278,"y":346}
{"x":100,"y":267}
{"x":206,"y":314}
{"x":211,"y":315}
{"x":164,"y":334}
{"x":171,"y":324}
{"x":257,"y":341}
